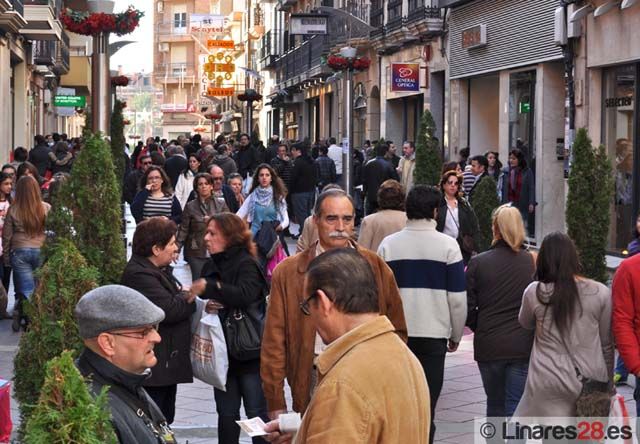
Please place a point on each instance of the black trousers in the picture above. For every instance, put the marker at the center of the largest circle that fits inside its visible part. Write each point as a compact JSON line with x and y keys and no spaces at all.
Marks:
{"x":431,"y":353}
{"x":165,"y":399}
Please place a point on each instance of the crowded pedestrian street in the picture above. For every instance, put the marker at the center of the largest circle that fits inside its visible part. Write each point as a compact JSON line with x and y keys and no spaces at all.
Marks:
{"x":319,"y":221}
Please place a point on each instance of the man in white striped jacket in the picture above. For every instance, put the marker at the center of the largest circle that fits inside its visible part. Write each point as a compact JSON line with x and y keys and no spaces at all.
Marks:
{"x":429,"y":271}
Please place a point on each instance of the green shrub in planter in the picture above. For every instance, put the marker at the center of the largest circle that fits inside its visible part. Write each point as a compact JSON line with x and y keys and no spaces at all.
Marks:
{"x":63,"y":279}
{"x":428,"y":159}
{"x":485,"y":200}
{"x":97,"y":210}
{"x":66,"y":411}
{"x":587,"y":215}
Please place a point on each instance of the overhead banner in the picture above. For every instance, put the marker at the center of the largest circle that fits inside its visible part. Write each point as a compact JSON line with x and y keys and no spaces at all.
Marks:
{"x":405,"y":77}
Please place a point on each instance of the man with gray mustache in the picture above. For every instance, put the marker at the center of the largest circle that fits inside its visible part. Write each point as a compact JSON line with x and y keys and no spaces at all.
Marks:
{"x":290,"y":342}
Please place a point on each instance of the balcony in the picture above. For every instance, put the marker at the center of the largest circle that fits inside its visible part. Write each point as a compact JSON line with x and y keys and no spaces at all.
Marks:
{"x":5,"y":5}
{"x":63,"y":60}
{"x":13,"y":19}
{"x":304,"y":62}
{"x":425,"y":21}
{"x":174,"y":73}
{"x":168,"y":32}
{"x":286,"y":5}
{"x":42,"y":20}
{"x":268,"y":51}
{"x":44,"y":52}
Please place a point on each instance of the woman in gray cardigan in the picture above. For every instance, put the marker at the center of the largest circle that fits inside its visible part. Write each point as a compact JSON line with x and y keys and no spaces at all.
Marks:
{"x":571,"y":316}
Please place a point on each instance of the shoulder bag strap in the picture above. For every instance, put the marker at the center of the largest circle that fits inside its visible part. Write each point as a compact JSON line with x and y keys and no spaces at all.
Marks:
{"x":573,"y":360}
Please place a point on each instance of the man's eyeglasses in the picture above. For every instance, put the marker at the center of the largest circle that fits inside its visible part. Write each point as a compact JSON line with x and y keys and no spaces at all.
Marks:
{"x":146,"y":163}
{"x":304,"y":305}
{"x":137,"y":334}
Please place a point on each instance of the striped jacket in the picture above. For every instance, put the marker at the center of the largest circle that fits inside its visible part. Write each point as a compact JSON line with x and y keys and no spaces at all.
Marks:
{"x":429,"y":271}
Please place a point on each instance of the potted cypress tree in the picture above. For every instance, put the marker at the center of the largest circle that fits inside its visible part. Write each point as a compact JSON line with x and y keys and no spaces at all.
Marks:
{"x":118,"y":141}
{"x":590,"y":191}
{"x":66,"y":412}
{"x":485,"y":201}
{"x":428,"y":159}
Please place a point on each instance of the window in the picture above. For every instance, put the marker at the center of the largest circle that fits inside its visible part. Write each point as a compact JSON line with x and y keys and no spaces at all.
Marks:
{"x":180,"y":22}
{"x":618,"y":121}
{"x":394,"y":9}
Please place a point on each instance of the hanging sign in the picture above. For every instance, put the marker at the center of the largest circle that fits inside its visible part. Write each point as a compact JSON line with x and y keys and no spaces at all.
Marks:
{"x":223,"y":44}
{"x":206,"y":24}
{"x":216,"y":75}
{"x":405,"y":77}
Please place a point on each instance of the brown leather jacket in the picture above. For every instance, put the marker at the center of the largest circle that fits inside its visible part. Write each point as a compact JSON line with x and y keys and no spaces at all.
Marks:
{"x":289,"y":336}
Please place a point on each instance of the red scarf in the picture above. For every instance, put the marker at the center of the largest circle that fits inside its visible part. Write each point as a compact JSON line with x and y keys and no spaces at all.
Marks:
{"x":515,"y":185}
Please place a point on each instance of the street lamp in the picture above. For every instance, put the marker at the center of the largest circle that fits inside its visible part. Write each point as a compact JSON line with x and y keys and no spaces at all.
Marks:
{"x":347,"y":148}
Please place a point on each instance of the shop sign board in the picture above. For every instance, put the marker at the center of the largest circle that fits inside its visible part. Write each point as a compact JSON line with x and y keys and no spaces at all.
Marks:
{"x":307,"y":24}
{"x":220,"y":44}
{"x":71,"y":101}
{"x":474,"y":37}
{"x":405,"y":77}
{"x":209,"y":24}
{"x":216,"y":75}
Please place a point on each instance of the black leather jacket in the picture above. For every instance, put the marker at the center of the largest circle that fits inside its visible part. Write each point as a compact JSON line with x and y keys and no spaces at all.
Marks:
{"x":125,"y":391}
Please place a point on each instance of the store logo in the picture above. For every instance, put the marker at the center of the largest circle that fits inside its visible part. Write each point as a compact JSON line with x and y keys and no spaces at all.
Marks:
{"x":616,"y":102}
{"x":405,"y":77}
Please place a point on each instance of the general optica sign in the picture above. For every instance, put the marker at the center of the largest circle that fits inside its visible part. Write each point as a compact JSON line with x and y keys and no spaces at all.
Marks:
{"x":405,"y":77}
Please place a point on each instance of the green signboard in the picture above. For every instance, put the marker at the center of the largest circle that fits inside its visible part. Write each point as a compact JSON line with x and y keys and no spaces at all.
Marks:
{"x":525,"y":107}
{"x":71,"y":101}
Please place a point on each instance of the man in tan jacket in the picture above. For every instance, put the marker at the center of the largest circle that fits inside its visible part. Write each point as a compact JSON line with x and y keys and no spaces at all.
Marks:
{"x":290,"y":342}
{"x":371,"y":388}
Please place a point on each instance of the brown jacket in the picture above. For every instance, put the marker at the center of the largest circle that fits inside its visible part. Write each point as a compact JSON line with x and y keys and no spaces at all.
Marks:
{"x":377,"y":226}
{"x":371,"y":389}
{"x":193,"y":226}
{"x":289,"y":336}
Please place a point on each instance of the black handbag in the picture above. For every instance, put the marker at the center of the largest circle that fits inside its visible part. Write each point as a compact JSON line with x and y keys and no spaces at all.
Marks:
{"x":594,"y":400}
{"x":243,"y":329}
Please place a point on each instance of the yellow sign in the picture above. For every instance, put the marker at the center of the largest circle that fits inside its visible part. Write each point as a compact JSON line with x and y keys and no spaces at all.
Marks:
{"x":220,"y":92}
{"x":224,"y":44}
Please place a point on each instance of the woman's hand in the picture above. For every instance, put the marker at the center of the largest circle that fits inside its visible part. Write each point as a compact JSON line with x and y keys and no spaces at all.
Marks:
{"x":198,"y":287}
{"x":213,"y":306}
{"x":148,"y":187}
{"x":279,"y":228}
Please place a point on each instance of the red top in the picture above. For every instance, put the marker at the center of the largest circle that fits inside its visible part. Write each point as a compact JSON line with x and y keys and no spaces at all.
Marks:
{"x":626,"y":312}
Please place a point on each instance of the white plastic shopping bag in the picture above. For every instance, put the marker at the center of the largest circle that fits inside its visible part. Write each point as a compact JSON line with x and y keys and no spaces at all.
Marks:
{"x":246,"y":185}
{"x":209,"y":358}
{"x":619,"y":418}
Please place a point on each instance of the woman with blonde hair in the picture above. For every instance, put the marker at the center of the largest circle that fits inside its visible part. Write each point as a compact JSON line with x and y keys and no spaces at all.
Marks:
{"x":496,"y":280}
{"x":22,"y":237}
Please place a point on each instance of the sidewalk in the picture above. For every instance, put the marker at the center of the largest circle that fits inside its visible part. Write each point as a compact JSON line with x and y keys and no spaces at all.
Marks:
{"x":462,"y":398}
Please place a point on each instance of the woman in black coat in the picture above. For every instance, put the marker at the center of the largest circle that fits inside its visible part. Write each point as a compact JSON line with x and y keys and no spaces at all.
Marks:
{"x":148,"y":271}
{"x":232,"y":280}
{"x":455,"y":216}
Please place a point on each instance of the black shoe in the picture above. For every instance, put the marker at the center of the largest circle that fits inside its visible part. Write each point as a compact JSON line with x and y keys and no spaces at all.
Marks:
{"x":15,"y":325}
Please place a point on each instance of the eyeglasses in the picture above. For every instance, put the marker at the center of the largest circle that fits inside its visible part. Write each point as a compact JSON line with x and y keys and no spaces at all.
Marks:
{"x":452,"y":183}
{"x":138,"y":334}
{"x":10,"y":174}
{"x":304,"y":305}
{"x":151,"y":178}
{"x":146,"y":163}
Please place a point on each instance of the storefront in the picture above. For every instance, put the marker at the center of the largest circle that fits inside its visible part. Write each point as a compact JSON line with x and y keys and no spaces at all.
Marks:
{"x":610,"y":84}
{"x":507,"y":91}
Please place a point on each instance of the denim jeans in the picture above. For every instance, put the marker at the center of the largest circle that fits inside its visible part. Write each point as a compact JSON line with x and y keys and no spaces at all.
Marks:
{"x":431,"y":353}
{"x":245,"y":387}
{"x":302,"y":204}
{"x":503,"y":382}
{"x":24,"y":261}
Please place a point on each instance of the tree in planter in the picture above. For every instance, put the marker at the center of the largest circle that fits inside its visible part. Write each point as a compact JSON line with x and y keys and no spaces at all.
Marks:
{"x":63,"y":279}
{"x":66,"y":411}
{"x":97,"y":210}
{"x":428,"y":160}
{"x":590,"y":191}
{"x":118,"y":141}
{"x":485,"y":201}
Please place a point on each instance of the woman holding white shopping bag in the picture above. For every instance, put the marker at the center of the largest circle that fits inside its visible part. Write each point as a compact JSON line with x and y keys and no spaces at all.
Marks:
{"x":233,"y":282}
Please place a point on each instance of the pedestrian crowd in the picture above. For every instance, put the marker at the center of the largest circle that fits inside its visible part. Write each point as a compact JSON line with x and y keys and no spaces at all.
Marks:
{"x":357,"y":323}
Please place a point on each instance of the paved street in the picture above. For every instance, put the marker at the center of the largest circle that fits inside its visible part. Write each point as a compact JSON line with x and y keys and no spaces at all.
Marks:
{"x":462,"y":397}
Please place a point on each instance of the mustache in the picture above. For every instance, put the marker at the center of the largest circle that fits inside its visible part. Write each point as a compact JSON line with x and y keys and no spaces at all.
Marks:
{"x":339,"y":234}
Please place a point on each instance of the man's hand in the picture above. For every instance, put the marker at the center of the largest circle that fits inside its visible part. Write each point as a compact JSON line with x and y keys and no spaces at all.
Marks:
{"x":453,"y":346}
{"x":273,"y":415}
{"x":213,"y":306}
{"x":275,"y":436}
{"x":198,"y":286}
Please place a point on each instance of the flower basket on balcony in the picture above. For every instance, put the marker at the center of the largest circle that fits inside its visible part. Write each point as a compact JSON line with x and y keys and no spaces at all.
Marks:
{"x":340,"y":63}
{"x":250,"y":95}
{"x":213,"y":116}
{"x":119,"y":81}
{"x":200,"y":129}
{"x":91,"y":24}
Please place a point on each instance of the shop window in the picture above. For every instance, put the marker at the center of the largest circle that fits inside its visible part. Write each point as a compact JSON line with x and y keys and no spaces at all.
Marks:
{"x":618,"y":122}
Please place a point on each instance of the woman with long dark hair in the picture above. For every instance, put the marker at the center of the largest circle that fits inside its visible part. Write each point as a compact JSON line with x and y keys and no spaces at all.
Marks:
{"x":156,"y":197}
{"x":571,"y":316}
{"x":495,"y":166}
{"x":184,"y":186}
{"x":266,"y":200}
{"x":233,"y":283}
{"x":516,"y":185}
{"x":6,"y":185}
{"x":22,"y":237}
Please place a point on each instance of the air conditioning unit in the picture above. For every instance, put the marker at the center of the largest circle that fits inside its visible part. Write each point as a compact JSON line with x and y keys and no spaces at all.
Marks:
{"x":163,"y":47}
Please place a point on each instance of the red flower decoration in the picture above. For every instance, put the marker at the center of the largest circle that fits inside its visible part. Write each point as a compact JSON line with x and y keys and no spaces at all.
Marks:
{"x":339,"y":63}
{"x":119,"y":81}
{"x":85,"y":23}
{"x":213,"y":116}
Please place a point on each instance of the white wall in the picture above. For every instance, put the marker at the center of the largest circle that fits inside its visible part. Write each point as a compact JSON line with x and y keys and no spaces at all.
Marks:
{"x":484,"y":114}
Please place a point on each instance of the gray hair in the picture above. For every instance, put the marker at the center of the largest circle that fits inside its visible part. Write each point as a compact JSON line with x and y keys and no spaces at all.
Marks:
{"x":327,"y":193}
